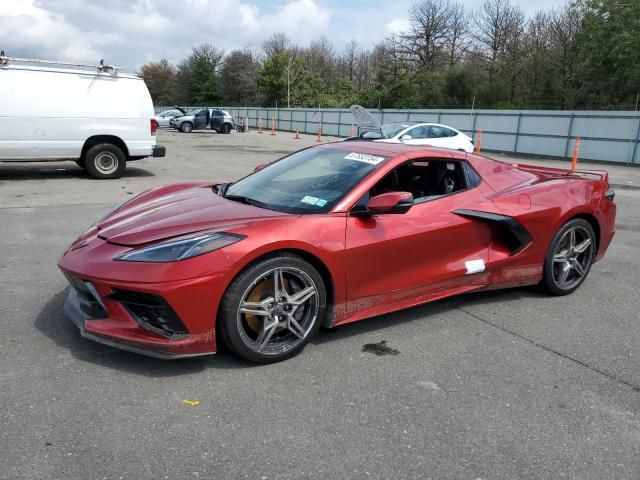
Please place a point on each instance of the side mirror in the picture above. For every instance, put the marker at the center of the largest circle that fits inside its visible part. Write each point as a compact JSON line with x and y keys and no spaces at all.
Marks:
{"x":406,"y":137}
{"x":392,"y":202}
{"x":261,"y":166}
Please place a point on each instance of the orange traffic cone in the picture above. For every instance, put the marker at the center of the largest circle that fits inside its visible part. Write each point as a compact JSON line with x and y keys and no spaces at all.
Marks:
{"x":479,"y":141}
{"x":246,"y":122}
{"x":353,"y":130}
{"x":297,"y":137}
{"x":319,"y":139}
{"x":576,"y":150}
{"x":259,"y":124}
{"x":273,"y":125}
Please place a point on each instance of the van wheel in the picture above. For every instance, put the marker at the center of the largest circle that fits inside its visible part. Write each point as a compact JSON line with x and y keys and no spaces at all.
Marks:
{"x":105,"y":160}
{"x":186,"y":127}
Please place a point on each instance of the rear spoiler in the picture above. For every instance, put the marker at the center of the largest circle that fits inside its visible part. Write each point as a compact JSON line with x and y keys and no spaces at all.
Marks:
{"x":603,"y":175}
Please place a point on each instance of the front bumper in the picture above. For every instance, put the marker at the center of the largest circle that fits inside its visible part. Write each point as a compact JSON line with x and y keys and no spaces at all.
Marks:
{"x":73,"y":309}
{"x":109,"y":300}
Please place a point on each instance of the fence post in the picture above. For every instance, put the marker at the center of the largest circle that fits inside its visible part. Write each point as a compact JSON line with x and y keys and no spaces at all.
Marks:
{"x":305,"y":121}
{"x":566,"y":147}
{"x":439,"y":115}
{"x":382,"y":117}
{"x":339,"y":122}
{"x":515,"y":147}
{"x":635,"y":145}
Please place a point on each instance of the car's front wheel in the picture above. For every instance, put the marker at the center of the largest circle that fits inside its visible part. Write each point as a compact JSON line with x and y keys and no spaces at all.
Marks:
{"x":272,"y":309}
{"x":186,"y":127}
{"x":569,"y":257}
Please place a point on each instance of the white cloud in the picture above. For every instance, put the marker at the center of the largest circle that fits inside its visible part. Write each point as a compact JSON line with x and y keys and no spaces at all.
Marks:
{"x":397,"y":25}
{"x":129,"y":33}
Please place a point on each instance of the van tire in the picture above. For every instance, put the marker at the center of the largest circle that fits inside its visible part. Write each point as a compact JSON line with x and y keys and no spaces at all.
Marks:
{"x":105,"y":160}
{"x":186,"y":127}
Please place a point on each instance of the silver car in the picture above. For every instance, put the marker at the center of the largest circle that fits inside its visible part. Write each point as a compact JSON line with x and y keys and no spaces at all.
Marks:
{"x":164,"y":118}
{"x":216,"y":119}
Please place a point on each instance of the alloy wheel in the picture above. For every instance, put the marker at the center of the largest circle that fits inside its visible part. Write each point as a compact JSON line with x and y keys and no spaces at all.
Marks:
{"x":572,"y":258}
{"x":277,"y":311}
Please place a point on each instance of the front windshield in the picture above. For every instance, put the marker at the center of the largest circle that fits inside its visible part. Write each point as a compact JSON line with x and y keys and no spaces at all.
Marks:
{"x":309,"y":181}
{"x":390,"y":130}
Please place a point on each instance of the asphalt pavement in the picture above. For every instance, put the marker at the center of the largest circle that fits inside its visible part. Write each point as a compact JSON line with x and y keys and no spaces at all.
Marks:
{"x":502,"y":385}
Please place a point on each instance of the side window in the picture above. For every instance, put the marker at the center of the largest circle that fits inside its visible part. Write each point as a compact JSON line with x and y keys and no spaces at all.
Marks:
{"x":202,"y":113}
{"x":425,"y":179}
{"x":473,"y":178}
{"x":418,"y":132}
{"x":438,"y":132}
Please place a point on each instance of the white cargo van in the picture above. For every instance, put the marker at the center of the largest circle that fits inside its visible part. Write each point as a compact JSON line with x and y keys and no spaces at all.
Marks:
{"x":98,"y":117}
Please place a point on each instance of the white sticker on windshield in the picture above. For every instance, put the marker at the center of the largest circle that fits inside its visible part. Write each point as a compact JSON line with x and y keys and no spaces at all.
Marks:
{"x":321,"y":203}
{"x":310,"y":200}
{"x":364,"y":157}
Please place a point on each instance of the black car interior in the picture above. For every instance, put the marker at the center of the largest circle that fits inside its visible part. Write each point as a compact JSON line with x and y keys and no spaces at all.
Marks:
{"x":424,"y":179}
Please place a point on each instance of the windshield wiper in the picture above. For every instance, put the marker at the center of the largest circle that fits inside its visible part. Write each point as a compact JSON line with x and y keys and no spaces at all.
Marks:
{"x":246,"y":200}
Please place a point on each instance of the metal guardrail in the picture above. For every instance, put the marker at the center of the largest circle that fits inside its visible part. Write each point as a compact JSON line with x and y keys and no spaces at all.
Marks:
{"x":605,"y":136}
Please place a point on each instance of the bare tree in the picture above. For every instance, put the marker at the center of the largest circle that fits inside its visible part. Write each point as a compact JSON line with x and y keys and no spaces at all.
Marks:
{"x":278,"y":42}
{"x":496,"y":23}
{"x":208,"y":52}
{"x":425,"y":42}
{"x":564,"y":24}
{"x":457,"y":41}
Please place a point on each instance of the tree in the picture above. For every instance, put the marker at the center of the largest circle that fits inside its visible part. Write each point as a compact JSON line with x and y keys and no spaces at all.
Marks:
{"x":239,"y":78}
{"x":609,"y":46}
{"x":160,"y":78}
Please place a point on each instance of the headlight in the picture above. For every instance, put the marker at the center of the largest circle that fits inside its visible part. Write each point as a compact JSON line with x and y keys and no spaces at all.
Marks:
{"x":182,"y":248}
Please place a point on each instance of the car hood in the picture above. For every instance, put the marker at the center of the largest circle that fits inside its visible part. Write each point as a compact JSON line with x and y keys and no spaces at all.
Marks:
{"x":178,"y":210}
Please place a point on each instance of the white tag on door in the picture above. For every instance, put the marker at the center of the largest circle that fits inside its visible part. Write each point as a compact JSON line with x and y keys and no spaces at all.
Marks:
{"x":474,"y":266}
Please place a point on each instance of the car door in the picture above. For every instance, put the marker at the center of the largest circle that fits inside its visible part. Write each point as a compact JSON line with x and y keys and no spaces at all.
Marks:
{"x":200,"y":119}
{"x":216,"y":119}
{"x":429,"y":249}
{"x":419,"y":135}
{"x":441,"y":136}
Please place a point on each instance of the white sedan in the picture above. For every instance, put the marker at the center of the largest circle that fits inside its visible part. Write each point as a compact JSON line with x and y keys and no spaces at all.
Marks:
{"x":432,"y":134}
{"x":163,"y":118}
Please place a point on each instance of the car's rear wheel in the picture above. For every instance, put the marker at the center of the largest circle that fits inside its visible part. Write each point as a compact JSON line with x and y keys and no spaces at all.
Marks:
{"x":272,"y":309}
{"x":570,"y":257}
{"x":105,"y":160}
{"x":226,"y":128}
{"x":186,"y":127}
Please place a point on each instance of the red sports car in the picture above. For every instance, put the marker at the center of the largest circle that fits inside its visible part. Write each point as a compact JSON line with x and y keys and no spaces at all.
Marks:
{"x":326,"y":236}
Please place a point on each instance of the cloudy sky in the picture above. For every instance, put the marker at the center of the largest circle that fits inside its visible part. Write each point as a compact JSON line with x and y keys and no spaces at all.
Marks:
{"x":129,"y":33}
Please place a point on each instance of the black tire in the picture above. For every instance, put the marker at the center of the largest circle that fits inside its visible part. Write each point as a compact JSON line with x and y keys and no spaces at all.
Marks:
{"x":186,"y":127}
{"x":80,"y":163}
{"x":569,"y":260}
{"x":104,"y":161}
{"x":226,"y":128}
{"x":236,"y":328}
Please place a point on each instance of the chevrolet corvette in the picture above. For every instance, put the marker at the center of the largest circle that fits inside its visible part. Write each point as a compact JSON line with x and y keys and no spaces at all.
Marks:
{"x":325,"y":236}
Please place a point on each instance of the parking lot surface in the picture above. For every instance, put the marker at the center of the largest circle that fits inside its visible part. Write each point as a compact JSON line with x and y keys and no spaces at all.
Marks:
{"x":501,"y":385}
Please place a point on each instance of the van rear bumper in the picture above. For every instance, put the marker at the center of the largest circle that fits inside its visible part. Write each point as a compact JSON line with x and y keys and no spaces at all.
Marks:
{"x":159,"y":151}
